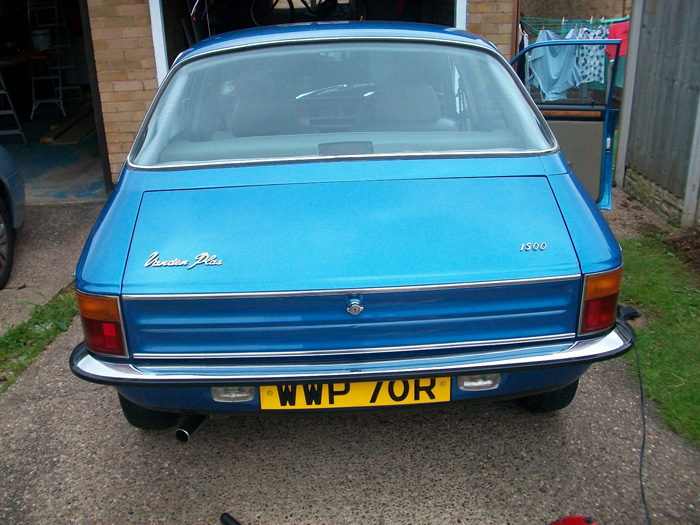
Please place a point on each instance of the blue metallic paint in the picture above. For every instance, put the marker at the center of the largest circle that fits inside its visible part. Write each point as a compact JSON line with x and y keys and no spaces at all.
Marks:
{"x":595,"y":244}
{"x":410,"y":221}
{"x":297,"y":325}
{"x":350,"y":235}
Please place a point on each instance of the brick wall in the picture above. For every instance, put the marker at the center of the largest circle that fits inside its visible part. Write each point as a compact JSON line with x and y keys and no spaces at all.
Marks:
{"x":493,"y":20}
{"x":126,"y":70}
{"x":576,"y":9}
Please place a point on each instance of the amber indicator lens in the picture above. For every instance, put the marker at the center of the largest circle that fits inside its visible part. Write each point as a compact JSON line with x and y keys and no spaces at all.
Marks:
{"x":101,"y":324}
{"x":604,"y":284}
{"x":600,"y":305}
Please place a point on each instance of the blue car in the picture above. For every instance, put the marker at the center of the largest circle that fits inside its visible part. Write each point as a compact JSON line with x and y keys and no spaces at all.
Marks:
{"x":345,"y":216}
{"x":11,"y":211}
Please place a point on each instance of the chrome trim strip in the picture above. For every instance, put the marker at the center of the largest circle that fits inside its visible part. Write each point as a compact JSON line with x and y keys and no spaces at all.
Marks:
{"x":89,"y":368}
{"x":344,"y":291}
{"x":362,"y":351}
{"x":369,"y":156}
{"x":313,"y":39}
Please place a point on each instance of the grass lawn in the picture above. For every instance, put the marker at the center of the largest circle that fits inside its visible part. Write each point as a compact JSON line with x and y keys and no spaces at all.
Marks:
{"x":668,"y":291}
{"x":21,"y":344}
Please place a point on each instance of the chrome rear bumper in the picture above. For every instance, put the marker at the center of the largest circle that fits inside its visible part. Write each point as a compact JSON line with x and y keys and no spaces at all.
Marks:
{"x":620,"y":340}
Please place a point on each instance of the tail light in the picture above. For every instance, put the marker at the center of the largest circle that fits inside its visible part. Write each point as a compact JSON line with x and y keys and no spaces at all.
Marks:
{"x":102,"y":324}
{"x":600,"y":302}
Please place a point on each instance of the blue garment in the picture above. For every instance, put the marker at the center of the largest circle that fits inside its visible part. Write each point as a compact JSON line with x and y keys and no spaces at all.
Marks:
{"x":591,"y":59}
{"x":554,"y":67}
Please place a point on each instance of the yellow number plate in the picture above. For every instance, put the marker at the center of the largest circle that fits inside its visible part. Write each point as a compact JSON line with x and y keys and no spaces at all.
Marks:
{"x":351,"y":395}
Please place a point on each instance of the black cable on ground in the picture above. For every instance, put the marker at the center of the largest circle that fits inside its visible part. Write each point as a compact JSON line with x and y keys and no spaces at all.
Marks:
{"x":626,"y":313}
{"x":644,"y":437}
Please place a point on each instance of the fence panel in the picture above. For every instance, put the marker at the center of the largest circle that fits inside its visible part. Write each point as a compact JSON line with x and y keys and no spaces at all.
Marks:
{"x":665,"y":93}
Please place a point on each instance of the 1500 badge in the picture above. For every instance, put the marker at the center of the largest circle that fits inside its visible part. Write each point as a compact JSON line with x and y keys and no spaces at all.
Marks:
{"x":203,"y":258}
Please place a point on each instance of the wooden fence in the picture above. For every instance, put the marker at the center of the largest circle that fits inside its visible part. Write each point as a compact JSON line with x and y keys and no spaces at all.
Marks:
{"x":662,"y":138}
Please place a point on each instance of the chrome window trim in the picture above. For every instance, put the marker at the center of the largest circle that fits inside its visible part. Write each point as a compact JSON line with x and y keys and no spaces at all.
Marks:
{"x":363,"y":351}
{"x":372,"y":156}
{"x":345,"y":291}
{"x":549,"y":135}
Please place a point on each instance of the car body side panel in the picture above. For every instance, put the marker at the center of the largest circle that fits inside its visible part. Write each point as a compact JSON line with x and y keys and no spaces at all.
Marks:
{"x":597,"y":249}
{"x":101,"y":264}
{"x":12,"y":180}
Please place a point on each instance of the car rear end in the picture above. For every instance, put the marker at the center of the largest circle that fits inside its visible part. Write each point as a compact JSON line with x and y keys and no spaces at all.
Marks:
{"x":345,"y":217}
{"x":382,"y":280}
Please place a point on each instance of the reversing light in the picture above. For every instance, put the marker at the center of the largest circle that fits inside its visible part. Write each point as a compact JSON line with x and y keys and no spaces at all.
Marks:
{"x":479,"y":383}
{"x":232,"y":394}
{"x":600,"y":302}
{"x":102,"y":324}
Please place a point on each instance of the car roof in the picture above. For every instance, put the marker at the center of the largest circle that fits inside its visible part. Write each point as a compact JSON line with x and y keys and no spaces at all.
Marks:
{"x":330,"y":30}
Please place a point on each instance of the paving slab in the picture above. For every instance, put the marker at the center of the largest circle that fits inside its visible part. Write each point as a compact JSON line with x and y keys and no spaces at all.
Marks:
{"x":46,"y":254}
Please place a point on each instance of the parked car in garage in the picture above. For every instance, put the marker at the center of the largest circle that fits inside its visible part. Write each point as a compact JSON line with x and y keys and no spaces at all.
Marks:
{"x":345,"y":215}
{"x":11,"y":211}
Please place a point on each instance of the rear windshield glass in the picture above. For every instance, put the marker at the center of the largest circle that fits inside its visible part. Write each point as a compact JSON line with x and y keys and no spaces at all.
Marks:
{"x":338,"y":100}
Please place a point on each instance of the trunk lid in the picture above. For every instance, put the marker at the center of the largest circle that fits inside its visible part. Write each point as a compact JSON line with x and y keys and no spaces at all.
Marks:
{"x":346,"y":236}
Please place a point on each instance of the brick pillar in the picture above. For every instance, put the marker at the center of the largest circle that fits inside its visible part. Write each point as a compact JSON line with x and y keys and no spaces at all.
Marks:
{"x":493,"y":21}
{"x":126,"y":70}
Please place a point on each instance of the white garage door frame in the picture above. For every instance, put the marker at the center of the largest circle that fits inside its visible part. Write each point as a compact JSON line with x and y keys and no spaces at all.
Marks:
{"x":161,"y":53}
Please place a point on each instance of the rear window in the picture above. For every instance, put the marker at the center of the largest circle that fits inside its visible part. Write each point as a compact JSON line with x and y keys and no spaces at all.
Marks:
{"x":346,"y":99}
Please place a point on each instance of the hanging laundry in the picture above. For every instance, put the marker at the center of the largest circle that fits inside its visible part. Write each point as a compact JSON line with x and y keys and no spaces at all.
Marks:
{"x":521,"y":66}
{"x":620,"y":31}
{"x":591,"y":59}
{"x":554,"y":68}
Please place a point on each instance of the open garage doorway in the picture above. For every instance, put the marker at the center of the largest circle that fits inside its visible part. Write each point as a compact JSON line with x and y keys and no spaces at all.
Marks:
{"x":186,"y":22}
{"x":47,"y":119}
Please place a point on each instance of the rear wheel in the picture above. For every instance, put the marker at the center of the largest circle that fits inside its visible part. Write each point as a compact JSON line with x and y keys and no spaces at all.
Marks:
{"x":551,"y":401}
{"x":7,"y":242}
{"x":146,"y":418}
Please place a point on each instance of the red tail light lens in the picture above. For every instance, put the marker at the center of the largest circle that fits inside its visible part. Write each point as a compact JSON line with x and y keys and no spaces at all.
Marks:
{"x":102,"y":324}
{"x":600,"y":302}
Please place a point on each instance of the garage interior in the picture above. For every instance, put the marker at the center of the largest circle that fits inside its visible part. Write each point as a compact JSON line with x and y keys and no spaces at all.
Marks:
{"x":49,"y":80}
{"x":46,"y":117}
{"x":188,"y":21}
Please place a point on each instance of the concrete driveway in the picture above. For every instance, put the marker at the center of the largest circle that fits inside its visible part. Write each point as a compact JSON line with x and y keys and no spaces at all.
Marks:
{"x":69,"y":456}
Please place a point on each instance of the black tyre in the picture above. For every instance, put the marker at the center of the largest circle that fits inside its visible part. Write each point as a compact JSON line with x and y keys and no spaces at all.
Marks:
{"x":7,"y":244}
{"x":146,"y":418}
{"x":551,"y":401}
{"x":268,"y":12}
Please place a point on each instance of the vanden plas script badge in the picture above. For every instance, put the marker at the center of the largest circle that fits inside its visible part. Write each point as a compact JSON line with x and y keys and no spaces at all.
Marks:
{"x":202,"y":259}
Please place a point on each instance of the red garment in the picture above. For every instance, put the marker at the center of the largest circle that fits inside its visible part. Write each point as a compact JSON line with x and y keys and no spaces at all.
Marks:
{"x":619,"y":31}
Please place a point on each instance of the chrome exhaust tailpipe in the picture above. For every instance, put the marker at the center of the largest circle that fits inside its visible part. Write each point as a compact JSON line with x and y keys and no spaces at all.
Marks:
{"x":188,"y":426}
